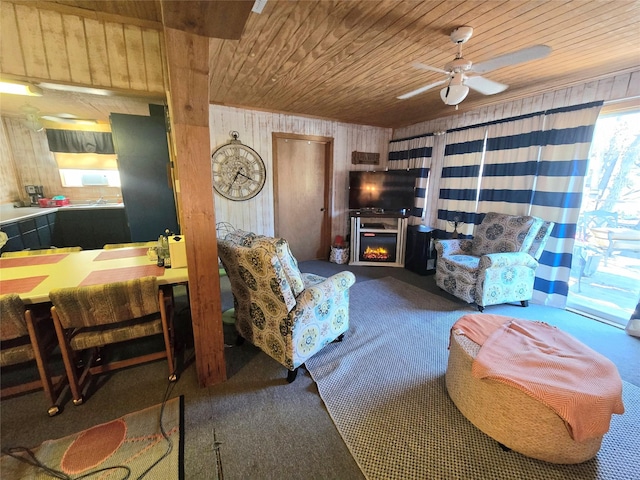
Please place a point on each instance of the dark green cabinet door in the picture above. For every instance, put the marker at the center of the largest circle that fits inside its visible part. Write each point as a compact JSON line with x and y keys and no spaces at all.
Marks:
{"x":143,"y":162}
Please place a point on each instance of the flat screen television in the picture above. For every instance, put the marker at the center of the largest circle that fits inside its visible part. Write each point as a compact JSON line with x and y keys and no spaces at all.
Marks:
{"x":390,"y":191}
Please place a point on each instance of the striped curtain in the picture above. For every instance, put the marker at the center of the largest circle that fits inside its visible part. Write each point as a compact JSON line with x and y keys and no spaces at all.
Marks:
{"x":557,"y":195}
{"x":414,"y":154}
{"x":529,"y":165}
{"x":510,"y":166}
{"x":461,"y":173}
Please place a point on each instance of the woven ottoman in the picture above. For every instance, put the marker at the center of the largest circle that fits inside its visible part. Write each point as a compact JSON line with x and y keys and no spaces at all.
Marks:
{"x":508,"y":415}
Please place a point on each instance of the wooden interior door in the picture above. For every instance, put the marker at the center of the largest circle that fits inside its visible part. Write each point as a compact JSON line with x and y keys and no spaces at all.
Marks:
{"x":302,"y":173}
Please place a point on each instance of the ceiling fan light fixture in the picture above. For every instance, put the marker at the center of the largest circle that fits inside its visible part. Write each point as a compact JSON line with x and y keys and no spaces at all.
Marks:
{"x":454,"y":94}
{"x":19,"y":88}
{"x":32,"y":122}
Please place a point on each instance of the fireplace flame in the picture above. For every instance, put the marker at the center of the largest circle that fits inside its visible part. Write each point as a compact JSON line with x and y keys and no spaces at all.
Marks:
{"x":378,"y":253}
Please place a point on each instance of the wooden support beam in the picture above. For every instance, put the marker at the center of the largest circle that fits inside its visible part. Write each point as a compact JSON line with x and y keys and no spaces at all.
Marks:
{"x":188,"y":98}
{"x":210,"y":19}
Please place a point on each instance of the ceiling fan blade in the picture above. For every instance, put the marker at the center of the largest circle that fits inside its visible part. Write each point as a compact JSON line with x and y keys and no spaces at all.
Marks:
{"x":484,"y":85}
{"x":422,"y":66}
{"x":69,"y":120}
{"x":519,"y":56}
{"x":420,"y":90}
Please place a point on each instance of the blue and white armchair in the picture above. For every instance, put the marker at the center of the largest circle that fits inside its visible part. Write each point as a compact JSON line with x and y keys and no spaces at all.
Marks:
{"x":498,"y":265}
{"x":287,"y":314}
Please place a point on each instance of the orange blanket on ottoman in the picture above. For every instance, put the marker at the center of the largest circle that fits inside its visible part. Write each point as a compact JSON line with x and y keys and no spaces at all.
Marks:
{"x":579,"y":384}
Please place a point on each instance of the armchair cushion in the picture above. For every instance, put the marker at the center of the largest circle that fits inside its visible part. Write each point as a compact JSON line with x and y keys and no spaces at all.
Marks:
{"x":499,"y":233}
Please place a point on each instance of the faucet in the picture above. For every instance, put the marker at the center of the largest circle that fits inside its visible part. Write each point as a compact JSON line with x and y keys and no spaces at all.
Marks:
{"x":101,"y":201}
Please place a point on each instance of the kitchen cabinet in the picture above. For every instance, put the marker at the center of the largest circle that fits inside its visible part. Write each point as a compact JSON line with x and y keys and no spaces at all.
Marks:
{"x":90,"y":227}
{"x":31,"y":233}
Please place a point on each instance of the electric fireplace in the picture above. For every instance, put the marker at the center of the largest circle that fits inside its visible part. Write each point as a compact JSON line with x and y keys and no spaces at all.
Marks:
{"x":378,"y":247}
{"x":378,"y":240}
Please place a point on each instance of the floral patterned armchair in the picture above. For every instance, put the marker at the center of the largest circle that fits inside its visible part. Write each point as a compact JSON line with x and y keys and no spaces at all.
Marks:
{"x":287,"y":314}
{"x":498,"y":265}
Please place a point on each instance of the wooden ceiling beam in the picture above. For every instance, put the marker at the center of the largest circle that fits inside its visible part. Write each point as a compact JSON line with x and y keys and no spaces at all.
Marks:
{"x":208,"y":19}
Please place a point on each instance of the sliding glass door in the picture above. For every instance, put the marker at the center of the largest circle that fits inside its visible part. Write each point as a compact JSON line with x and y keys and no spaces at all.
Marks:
{"x":605,"y":273}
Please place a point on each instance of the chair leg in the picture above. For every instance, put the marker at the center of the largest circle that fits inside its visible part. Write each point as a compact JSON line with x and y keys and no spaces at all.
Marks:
{"x":41,"y":355}
{"x":292,"y":374}
{"x":68,"y":360}
{"x":524,"y":303}
{"x":167,"y":331}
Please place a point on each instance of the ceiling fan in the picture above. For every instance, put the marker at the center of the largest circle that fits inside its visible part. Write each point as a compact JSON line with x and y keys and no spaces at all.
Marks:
{"x":459,"y":83}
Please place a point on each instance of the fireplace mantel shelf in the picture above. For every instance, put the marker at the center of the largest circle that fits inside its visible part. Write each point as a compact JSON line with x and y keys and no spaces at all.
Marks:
{"x":374,"y":214}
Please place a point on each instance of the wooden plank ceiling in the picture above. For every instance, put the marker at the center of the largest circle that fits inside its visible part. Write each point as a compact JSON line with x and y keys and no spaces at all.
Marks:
{"x":349,"y":60}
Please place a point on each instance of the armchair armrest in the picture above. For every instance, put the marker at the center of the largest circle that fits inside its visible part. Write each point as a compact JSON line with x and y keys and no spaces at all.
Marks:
{"x":510,"y":259}
{"x":330,"y":288}
{"x":459,"y":246}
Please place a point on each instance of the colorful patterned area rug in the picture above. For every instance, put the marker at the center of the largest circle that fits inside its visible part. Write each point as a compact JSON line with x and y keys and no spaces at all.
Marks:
{"x":133,"y":444}
{"x":384,"y":388}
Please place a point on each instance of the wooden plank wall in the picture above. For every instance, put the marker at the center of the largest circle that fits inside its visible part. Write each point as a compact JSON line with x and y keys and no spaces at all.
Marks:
{"x":610,"y":89}
{"x":255,"y":129}
{"x":10,"y":189}
{"x":28,"y":161}
{"x":55,"y":45}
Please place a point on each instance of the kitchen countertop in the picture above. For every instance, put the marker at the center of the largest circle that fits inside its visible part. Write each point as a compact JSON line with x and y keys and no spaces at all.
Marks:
{"x":9,"y":213}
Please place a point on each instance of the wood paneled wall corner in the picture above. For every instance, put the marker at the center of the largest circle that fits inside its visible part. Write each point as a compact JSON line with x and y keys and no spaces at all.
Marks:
{"x":10,"y":189}
{"x":256,"y":127}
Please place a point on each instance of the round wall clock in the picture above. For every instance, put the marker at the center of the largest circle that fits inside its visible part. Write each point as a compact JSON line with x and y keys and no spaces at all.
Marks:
{"x":238,"y":171}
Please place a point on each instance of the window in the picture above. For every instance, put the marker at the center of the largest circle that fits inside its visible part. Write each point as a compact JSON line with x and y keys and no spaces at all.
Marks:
{"x":82,"y":178}
{"x":87,"y":169}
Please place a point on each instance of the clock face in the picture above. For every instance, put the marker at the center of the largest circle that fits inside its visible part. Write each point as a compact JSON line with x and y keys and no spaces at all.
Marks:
{"x":238,"y":171}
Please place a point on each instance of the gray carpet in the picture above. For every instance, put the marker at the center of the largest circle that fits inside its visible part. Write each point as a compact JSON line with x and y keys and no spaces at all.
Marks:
{"x":384,"y":389}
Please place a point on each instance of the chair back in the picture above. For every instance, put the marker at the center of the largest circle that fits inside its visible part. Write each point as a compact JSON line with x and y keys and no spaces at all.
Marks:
{"x":12,"y":322}
{"x":540,"y":240}
{"x":46,"y":251}
{"x":109,"y":303}
{"x":503,"y":233}
{"x":600,"y":218}
{"x":257,"y":277}
{"x":289,"y":263}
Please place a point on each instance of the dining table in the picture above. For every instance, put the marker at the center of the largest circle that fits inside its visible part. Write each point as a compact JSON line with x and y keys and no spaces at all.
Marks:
{"x":33,"y":277}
